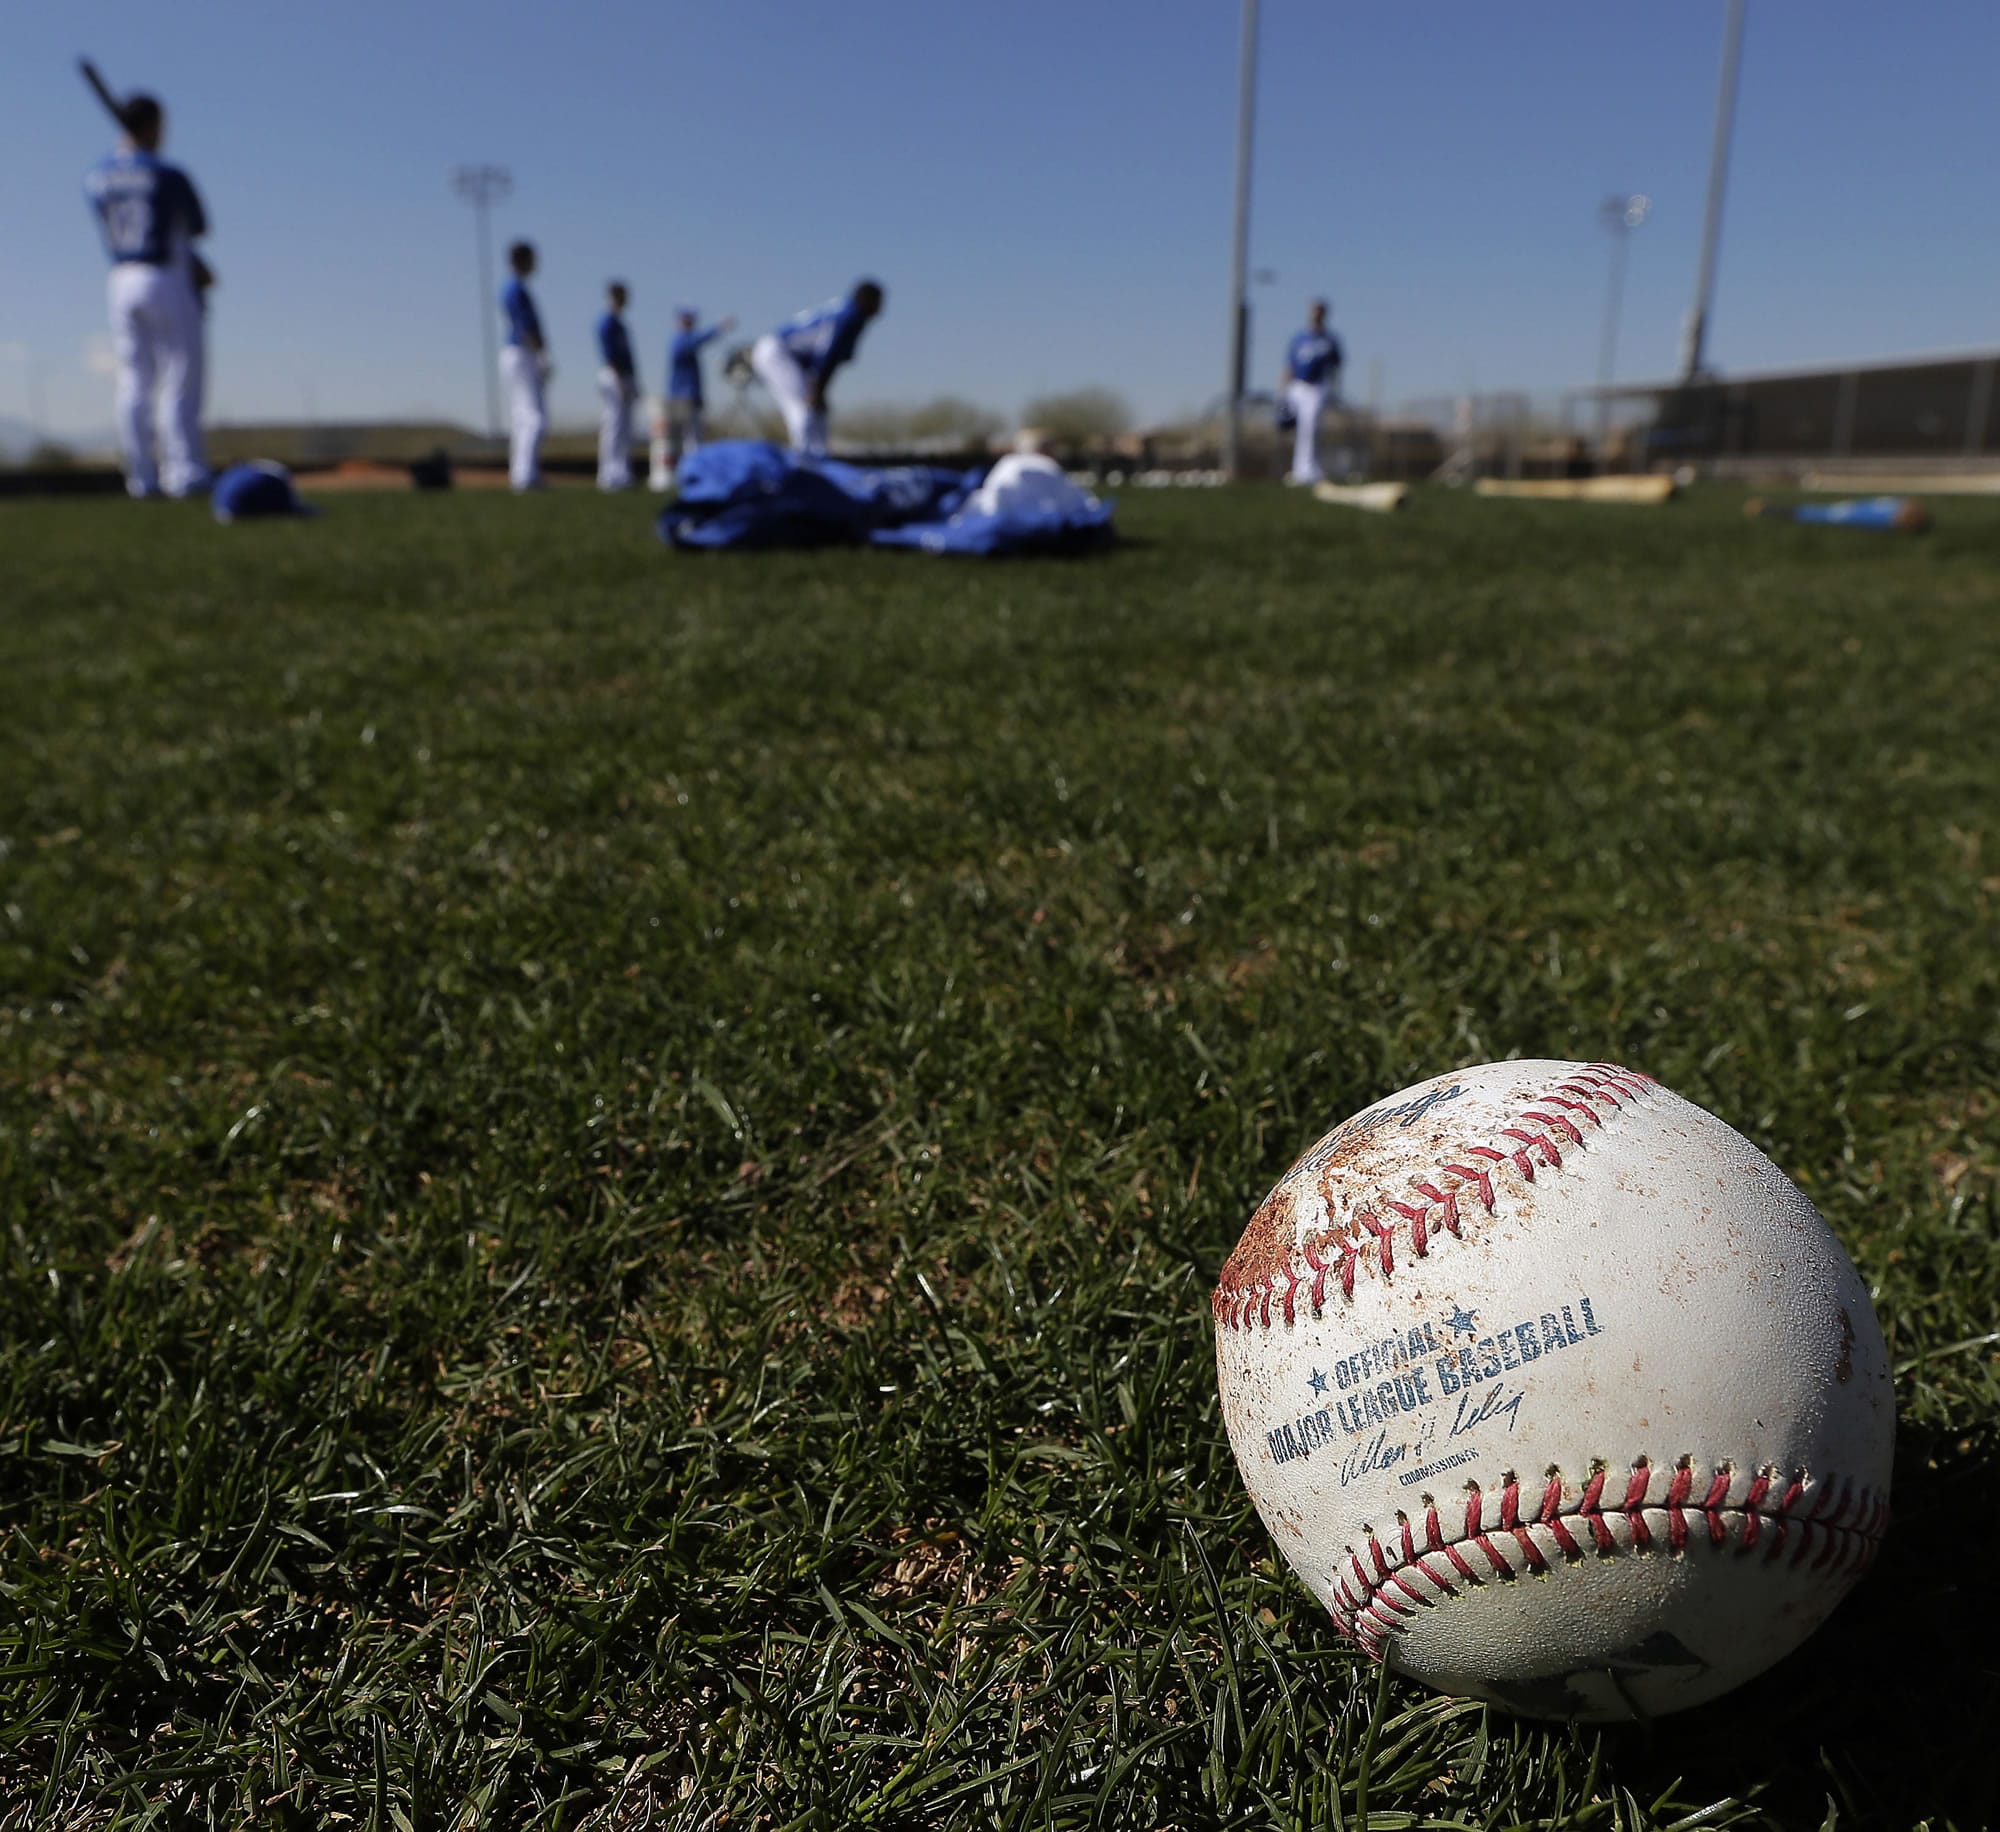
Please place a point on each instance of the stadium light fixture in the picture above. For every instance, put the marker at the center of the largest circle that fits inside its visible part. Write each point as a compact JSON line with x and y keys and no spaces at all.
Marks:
{"x":1620,"y":213}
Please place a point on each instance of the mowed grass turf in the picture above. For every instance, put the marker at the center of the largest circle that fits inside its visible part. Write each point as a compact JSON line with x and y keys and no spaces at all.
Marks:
{"x":611,"y":1164}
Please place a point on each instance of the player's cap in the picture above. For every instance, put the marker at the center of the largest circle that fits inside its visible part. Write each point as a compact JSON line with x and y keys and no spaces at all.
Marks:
{"x":262,"y":488}
{"x":685,"y":311}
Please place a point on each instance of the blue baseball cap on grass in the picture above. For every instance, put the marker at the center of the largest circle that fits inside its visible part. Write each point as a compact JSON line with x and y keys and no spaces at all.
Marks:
{"x":262,"y":488}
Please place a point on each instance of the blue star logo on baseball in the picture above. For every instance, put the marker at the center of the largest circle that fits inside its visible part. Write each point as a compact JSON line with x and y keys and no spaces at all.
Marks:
{"x":1464,"y":1322}
{"x":1317,"y":1382}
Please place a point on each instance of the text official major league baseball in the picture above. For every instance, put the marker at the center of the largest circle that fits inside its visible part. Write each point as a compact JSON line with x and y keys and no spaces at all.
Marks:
{"x":1548,"y":1321}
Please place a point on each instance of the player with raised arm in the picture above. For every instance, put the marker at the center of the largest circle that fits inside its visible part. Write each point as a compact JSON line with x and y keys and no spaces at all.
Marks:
{"x":679,"y":426}
{"x":797,"y":360}
{"x":525,"y":368}
{"x":617,"y":389}
{"x":151,"y":217}
{"x":1312,"y":373}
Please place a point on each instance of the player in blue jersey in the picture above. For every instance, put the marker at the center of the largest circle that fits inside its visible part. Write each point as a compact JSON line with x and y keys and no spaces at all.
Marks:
{"x":151,"y":217}
{"x":677,"y":427}
{"x":525,"y":368}
{"x":797,"y":360}
{"x":617,"y":389}
{"x":1312,"y":376}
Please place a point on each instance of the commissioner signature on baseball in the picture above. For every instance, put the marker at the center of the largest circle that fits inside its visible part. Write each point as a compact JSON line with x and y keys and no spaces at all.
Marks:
{"x":1495,"y":1403}
{"x":1378,"y":1453}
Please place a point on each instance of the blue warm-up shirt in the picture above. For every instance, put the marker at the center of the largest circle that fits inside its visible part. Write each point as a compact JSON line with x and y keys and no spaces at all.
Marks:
{"x":822,"y":339}
{"x":684,"y":364}
{"x":524,"y":323}
{"x":147,"y":209}
{"x":614,"y":346}
{"x":1312,"y":356}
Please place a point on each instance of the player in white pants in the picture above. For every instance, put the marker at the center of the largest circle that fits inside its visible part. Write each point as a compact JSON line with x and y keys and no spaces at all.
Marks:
{"x":150,"y":216}
{"x":525,"y":369}
{"x":617,"y":389}
{"x":797,"y":360}
{"x":1312,"y":373}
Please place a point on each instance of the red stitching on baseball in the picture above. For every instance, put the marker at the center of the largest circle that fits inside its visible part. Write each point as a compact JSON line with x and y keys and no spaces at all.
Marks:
{"x":1565,"y":1126}
{"x":1414,"y":1213}
{"x":1479,"y":1179}
{"x":1387,"y":1237}
{"x":1440,"y":1583}
{"x":1550,"y":1156}
{"x":1823,"y":1530}
{"x":1552,"y":1498}
{"x":1599,"y":1083}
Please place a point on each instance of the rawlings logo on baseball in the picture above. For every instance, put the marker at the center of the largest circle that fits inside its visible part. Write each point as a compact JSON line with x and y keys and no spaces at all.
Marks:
{"x":1547,"y":1319}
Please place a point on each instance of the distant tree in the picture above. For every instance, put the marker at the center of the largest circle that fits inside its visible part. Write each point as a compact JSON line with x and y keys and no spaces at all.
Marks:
{"x":872,"y":423}
{"x":50,"y":455}
{"x":1083,"y":416}
{"x":951,"y":417}
{"x":947,"y":418}
{"x":729,"y":421}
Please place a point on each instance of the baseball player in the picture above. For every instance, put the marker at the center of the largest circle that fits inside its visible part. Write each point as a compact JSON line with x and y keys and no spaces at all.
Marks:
{"x":797,"y":360}
{"x":678,"y":428}
{"x":151,"y":216}
{"x":525,"y":368}
{"x":617,"y":389}
{"x":1312,"y":374}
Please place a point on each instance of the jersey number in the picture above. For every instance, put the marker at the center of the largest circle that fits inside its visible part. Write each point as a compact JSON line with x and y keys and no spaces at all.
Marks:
{"x":128,"y":219}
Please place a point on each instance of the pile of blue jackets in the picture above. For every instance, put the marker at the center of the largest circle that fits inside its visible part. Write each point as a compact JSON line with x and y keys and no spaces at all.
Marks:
{"x":744,"y":493}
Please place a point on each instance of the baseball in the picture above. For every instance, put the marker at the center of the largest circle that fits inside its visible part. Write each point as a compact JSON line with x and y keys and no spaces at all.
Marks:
{"x":1556,"y":1391}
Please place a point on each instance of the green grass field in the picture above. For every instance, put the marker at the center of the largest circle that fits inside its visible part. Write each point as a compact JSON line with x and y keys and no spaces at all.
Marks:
{"x":611,"y":1164}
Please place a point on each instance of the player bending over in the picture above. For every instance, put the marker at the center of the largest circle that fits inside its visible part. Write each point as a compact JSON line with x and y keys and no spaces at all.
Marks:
{"x":798,"y":360}
{"x":151,"y":216}
{"x":617,"y":389}
{"x":678,"y":426}
{"x":525,"y":369}
{"x":1312,"y":375}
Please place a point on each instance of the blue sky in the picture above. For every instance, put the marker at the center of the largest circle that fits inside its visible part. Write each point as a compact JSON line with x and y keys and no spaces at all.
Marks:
{"x":1045,"y":187}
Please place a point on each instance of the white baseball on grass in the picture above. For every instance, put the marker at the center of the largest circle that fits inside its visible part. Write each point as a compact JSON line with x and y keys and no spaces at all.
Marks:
{"x":1556,"y":1391}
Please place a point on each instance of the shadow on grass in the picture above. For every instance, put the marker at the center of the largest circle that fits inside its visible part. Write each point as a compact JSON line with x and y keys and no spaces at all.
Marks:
{"x":1889,"y":1712}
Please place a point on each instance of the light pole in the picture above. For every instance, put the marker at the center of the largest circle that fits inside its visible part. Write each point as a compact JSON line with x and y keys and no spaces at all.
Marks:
{"x":1694,"y":339}
{"x":1239,"y":260}
{"x":1620,"y":214}
{"x":483,"y":186}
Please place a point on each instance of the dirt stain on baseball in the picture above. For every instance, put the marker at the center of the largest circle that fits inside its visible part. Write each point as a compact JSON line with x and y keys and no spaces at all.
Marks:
{"x":1266,"y":1247}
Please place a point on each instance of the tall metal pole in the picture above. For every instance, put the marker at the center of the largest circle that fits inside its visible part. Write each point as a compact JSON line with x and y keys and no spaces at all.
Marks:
{"x":1621,"y":215}
{"x":482,"y":186}
{"x":1239,"y":261}
{"x":1694,"y":338}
